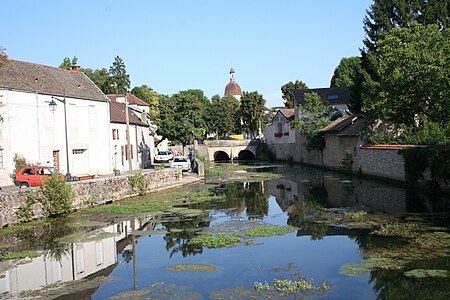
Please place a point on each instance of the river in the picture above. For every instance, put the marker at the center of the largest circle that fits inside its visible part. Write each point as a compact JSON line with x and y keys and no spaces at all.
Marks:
{"x":324,"y":235}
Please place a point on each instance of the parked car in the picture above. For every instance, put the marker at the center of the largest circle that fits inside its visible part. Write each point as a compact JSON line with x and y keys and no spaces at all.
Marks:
{"x":34,"y":175}
{"x":181,"y":162}
{"x":163,"y":156}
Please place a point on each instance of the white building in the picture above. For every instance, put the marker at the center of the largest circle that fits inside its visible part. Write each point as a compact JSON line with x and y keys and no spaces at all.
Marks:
{"x":280,"y":137}
{"x":141,"y":133}
{"x":29,"y":128}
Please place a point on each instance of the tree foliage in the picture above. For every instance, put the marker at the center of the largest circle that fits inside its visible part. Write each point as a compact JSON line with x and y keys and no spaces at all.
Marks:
{"x":149,"y":96}
{"x":286,"y":91}
{"x":414,"y":76}
{"x":107,"y":80}
{"x":222,"y":115}
{"x":182,"y":116}
{"x":381,"y":17}
{"x":313,"y":117}
{"x":67,"y":63}
{"x":252,"y":110}
{"x":119,"y":75}
{"x":346,"y":72}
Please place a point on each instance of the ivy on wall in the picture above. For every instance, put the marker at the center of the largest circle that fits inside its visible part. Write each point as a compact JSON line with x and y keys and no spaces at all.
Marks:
{"x":418,"y":159}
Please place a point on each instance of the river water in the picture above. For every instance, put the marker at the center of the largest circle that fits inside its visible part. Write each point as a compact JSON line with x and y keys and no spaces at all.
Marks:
{"x":141,"y":256}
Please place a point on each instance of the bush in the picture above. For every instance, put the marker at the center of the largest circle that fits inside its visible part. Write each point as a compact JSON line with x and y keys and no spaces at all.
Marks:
{"x":138,"y":183}
{"x":56,"y":196}
{"x":19,"y":162}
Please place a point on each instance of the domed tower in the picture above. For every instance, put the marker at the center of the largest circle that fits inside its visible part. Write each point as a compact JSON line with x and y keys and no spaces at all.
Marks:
{"x":232,"y":87}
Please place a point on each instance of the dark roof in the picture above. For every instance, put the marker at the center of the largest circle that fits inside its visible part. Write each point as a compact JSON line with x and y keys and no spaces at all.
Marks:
{"x":117,"y":110}
{"x":346,"y":126}
{"x":331,"y":96}
{"x":30,"y":77}
{"x":132,"y":99}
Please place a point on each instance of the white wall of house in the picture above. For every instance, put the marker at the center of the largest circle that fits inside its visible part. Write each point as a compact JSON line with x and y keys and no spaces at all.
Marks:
{"x":279,"y":132}
{"x":30,"y":129}
{"x":141,"y":143}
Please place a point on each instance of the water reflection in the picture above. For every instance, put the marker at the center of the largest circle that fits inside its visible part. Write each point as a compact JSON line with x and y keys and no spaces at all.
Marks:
{"x":136,"y":250}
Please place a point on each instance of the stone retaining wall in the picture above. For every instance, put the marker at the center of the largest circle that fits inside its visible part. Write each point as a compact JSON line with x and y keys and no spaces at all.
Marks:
{"x":90,"y":192}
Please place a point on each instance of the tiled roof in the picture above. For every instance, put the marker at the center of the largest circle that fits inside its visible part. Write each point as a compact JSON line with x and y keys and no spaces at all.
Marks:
{"x":132,"y":99}
{"x":117,"y":111}
{"x":346,"y":126}
{"x":232,"y":88}
{"x":331,"y":96}
{"x":288,"y":113}
{"x":25,"y":76}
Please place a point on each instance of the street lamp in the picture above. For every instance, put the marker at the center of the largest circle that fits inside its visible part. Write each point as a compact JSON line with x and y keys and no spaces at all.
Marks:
{"x":53,"y":105}
{"x":193,"y":135}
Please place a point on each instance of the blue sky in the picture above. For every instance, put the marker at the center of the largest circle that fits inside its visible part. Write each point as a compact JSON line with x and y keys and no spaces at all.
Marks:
{"x":177,"y":45}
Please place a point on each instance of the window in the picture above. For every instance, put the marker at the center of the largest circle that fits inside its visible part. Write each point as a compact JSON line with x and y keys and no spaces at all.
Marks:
{"x":115,"y":134}
{"x":78,"y":151}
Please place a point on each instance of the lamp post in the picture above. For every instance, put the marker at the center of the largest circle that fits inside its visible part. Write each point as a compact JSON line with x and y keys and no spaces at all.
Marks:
{"x":193,"y":135}
{"x":52,"y":105}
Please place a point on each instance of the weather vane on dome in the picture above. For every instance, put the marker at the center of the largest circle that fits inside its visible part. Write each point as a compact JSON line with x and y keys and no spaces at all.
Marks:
{"x":232,"y":74}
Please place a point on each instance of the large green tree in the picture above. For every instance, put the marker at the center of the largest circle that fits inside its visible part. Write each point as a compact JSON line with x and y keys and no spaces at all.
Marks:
{"x":347,"y":74}
{"x":287,"y":94}
{"x":101,"y":78}
{"x":222,"y":115}
{"x":381,"y":17}
{"x":119,"y":75}
{"x":252,"y":110}
{"x":150,"y":97}
{"x":314,"y":115}
{"x":414,"y":69}
{"x":181,"y":116}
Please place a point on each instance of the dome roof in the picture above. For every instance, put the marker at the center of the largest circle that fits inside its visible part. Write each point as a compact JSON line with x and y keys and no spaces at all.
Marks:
{"x":233,"y":88}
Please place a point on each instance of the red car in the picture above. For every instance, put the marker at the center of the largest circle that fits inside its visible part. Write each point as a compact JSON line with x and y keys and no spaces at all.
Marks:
{"x":34,"y":175}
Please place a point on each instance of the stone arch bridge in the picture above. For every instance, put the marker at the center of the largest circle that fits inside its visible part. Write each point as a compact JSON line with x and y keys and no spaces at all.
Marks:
{"x":223,"y":150}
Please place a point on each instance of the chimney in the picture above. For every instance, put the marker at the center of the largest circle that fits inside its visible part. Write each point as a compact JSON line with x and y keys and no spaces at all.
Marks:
{"x":75,"y":68}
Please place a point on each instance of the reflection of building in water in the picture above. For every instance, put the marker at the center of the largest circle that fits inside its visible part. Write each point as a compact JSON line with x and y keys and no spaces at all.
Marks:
{"x":82,"y":259}
{"x":285,"y":191}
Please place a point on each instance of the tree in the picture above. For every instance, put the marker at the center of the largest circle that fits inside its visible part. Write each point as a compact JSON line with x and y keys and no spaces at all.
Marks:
{"x":119,"y":75}
{"x":67,"y":63}
{"x":222,"y":115}
{"x":181,"y":116}
{"x":150,"y":97}
{"x":252,"y":110}
{"x":347,"y":74}
{"x":414,"y":69}
{"x":313,"y":117}
{"x":381,"y":17}
{"x":286,"y":90}
{"x":102,"y":79}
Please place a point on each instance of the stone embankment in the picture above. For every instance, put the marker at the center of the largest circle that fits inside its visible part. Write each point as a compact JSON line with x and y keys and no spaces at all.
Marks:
{"x":96,"y":191}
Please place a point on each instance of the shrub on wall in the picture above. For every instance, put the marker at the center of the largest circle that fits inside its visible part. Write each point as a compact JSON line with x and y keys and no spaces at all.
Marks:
{"x":19,"y":162}
{"x":138,"y":183}
{"x":56,"y":196}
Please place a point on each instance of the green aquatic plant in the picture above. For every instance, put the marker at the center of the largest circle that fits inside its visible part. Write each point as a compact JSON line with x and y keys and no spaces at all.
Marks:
{"x":287,"y":288}
{"x":191,"y":268}
{"x":355,"y":215}
{"x":268,"y":231}
{"x":19,"y":255}
{"x":215,"y":241}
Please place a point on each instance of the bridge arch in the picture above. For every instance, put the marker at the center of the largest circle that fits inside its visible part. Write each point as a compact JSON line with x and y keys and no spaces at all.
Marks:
{"x":221,"y":156}
{"x":246,"y":155}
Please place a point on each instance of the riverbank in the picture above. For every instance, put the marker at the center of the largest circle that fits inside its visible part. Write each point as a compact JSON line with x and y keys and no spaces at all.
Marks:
{"x":97,"y":191}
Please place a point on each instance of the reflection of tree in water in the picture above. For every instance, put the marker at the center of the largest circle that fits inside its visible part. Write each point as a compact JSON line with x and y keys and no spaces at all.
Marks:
{"x":182,"y":231}
{"x":250,"y":195}
{"x":44,"y":237}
